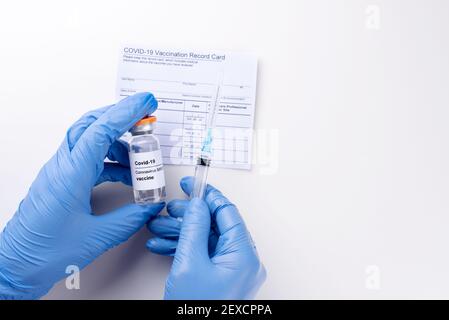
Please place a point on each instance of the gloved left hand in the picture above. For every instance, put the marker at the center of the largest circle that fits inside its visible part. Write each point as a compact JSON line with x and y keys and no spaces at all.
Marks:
{"x":54,"y":226}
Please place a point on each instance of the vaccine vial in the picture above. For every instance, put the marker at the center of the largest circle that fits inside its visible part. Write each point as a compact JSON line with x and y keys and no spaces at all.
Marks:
{"x":145,"y":158}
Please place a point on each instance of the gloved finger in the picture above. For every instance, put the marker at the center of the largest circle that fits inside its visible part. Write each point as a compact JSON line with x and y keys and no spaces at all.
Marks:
{"x":194,"y":234}
{"x":78,"y":128}
{"x":119,"y":225}
{"x":176,"y":208}
{"x":93,"y":145}
{"x":114,"y":172}
{"x":165,"y":227}
{"x":119,"y":152}
{"x":165,"y":247}
{"x":186,"y":184}
{"x":222,"y":210}
{"x":170,"y":228}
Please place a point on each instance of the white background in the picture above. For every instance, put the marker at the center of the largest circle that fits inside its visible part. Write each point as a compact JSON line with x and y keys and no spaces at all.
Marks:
{"x":362,"y":116}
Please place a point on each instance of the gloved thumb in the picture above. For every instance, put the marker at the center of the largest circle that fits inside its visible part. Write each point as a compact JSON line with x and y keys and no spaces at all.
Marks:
{"x":194,"y":234}
{"x":119,"y":225}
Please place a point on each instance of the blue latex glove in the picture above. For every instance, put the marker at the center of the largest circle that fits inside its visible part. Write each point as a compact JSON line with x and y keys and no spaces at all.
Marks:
{"x":54,"y":226}
{"x":215,"y":257}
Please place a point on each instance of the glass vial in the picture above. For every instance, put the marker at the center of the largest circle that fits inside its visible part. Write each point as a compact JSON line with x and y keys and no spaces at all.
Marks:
{"x":145,"y":158}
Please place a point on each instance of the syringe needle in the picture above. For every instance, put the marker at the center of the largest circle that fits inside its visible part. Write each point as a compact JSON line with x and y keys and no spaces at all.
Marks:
{"x":205,"y":156}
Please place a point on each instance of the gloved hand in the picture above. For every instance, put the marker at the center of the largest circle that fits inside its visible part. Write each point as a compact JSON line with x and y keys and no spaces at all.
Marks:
{"x":54,"y":226}
{"x":215,"y":257}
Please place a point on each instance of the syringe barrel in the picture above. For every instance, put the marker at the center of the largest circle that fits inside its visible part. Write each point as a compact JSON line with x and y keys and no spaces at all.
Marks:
{"x":200,"y":183}
{"x":203,"y":164}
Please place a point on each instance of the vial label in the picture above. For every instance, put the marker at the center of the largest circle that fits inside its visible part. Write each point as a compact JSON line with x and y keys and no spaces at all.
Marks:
{"x":147,"y":171}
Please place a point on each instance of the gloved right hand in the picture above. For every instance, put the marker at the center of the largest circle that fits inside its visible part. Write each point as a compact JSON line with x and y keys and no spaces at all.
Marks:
{"x":210,"y":263}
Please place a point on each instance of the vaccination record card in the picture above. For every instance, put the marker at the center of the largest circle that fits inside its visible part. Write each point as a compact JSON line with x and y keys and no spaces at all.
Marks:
{"x":184,"y":82}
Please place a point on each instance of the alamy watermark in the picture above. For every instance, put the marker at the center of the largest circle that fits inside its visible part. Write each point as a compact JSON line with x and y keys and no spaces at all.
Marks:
{"x":231,"y":147}
{"x":372,"y":17}
{"x":373,"y":277}
{"x":72,"y":282}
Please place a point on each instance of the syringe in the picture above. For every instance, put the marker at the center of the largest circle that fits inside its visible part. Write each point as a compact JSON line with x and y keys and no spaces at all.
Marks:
{"x":205,"y":157}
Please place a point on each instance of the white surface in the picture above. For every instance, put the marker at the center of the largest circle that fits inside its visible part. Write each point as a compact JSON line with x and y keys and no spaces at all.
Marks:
{"x":362,"y":116}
